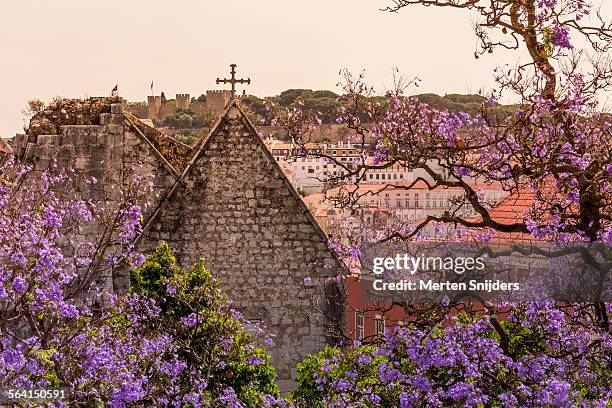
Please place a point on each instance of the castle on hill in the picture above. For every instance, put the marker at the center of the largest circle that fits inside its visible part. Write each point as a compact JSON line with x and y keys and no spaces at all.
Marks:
{"x":157,"y":107}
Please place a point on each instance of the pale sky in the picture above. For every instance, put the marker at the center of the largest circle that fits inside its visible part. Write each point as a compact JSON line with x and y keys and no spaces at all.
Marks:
{"x":77,"y":48}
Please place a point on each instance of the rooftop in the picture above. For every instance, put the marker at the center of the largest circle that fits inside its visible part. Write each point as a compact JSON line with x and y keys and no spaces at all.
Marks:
{"x":5,"y":148}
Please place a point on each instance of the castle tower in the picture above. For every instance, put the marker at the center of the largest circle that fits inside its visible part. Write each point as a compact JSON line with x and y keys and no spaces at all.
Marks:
{"x":153,"y":106}
{"x":182,"y":101}
{"x":216,"y":100}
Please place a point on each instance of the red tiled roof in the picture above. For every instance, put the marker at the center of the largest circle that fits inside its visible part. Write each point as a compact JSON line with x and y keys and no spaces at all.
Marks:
{"x":510,"y":210}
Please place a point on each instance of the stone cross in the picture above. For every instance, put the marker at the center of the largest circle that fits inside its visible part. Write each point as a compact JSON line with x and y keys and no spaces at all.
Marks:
{"x":233,"y":80}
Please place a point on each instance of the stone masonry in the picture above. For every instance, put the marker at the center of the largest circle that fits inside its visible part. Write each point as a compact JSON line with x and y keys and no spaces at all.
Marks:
{"x":229,"y":204}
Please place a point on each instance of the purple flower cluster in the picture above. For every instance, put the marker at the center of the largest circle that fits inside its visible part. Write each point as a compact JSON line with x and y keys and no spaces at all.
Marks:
{"x":560,"y":37}
{"x":466,"y":364}
{"x":57,"y":320}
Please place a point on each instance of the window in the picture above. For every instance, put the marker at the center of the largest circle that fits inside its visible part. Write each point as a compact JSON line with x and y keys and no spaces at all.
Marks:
{"x":310,"y":170}
{"x":416,"y":203}
{"x":435,"y":204}
{"x":383,"y":176}
{"x":359,"y":320}
{"x":401,"y":176}
{"x":377,"y":176}
{"x":398,"y":204}
{"x":380,"y":327}
{"x":395,"y":176}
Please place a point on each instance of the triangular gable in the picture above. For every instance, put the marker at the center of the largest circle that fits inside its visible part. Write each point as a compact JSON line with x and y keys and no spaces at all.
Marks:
{"x":234,"y":207}
{"x":234,"y":110}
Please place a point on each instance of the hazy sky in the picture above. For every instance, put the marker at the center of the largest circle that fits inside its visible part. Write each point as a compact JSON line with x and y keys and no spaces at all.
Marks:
{"x":77,"y":48}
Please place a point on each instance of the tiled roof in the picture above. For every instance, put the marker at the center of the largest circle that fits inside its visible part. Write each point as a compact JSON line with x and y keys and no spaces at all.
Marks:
{"x":177,"y":153}
{"x":510,"y":210}
{"x":314,"y":199}
{"x":4,"y":147}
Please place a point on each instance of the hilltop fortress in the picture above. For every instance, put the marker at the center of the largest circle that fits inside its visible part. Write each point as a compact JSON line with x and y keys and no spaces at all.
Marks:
{"x":157,"y":108}
{"x":225,"y":200}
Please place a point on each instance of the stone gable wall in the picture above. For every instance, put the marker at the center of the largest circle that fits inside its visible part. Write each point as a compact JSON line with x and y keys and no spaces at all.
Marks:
{"x":235,"y":210}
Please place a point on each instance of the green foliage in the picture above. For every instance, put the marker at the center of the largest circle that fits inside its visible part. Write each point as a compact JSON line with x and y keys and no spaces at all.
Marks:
{"x":201,"y":98}
{"x":259,"y":109}
{"x":326,"y":103}
{"x":187,"y":137}
{"x":308,"y":389}
{"x":217,"y":345}
{"x":186,"y":119}
{"x":454,"y":102}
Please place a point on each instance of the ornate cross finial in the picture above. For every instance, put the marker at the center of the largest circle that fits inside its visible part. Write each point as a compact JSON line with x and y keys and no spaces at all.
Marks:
{"x":233,"y":80}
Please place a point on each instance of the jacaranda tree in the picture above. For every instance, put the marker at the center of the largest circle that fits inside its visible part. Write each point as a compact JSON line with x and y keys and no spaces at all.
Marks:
{"x":552,"y":149}
{"x":172,"y":341}
{"x":214,"y":347}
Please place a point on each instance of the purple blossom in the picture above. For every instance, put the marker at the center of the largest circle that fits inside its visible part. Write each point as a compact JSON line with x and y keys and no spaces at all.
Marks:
{"x":560,"y":37}
{"x":20,"y":285}
{"x":462,"y":171}
{"x":254,"y":360}
{"x":191,"y":320}
{"x":342,"y":385}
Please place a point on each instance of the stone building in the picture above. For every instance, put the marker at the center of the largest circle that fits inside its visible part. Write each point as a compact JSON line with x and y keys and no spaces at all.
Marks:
{"x":228,"y":201}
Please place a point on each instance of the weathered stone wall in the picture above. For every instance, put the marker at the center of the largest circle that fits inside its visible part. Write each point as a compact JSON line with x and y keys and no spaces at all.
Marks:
{"x":235,"y":209}
{"x":92,"y":151}
{"x":166,"y":109}
{"x":109,"y":152}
